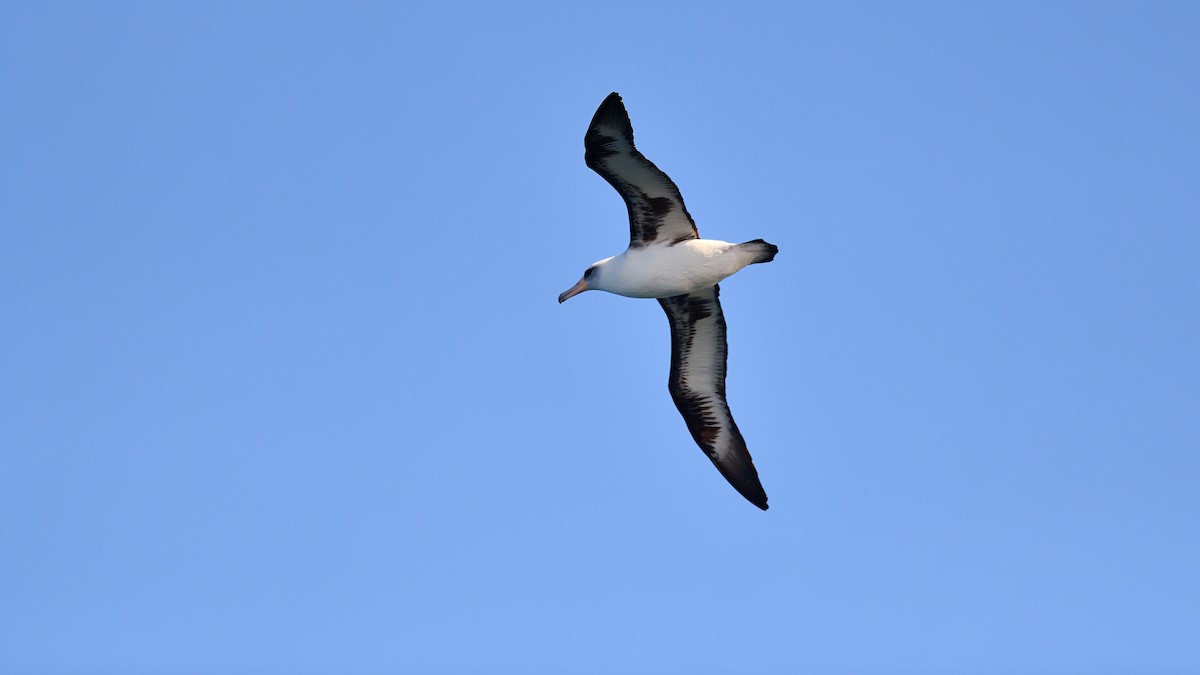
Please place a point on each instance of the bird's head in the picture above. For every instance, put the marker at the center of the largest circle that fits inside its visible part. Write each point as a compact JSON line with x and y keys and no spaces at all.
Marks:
{"x":593,"y":280}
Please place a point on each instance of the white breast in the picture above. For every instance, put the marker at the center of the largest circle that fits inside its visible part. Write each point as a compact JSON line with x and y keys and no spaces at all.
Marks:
{"x":666,"y":271}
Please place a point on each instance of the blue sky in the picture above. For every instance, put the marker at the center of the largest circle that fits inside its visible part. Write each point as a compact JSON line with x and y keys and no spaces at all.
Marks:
{"x":286,"y":388}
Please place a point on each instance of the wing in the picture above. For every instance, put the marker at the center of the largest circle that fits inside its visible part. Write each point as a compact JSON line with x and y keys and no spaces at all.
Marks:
{"x":697,"y":383}
{"x":656,"y":211}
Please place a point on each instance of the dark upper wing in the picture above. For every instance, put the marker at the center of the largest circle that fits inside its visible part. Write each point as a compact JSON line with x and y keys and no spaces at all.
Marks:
{"x":656,"y":210}
{"x":697,"y":383}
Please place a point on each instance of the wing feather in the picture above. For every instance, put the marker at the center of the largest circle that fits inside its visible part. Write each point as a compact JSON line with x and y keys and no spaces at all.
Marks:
{"x":699,"y":351}
{"x":657,"y":214}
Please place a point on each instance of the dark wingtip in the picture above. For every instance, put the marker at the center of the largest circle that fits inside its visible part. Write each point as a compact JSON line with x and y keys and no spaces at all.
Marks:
{"x":743,"y":477}
{"x":612,"y":113}
{"x":755,"y":495}
{"x":611,"y":108}
{"x":612,"y":100}
{"x":740,"y":473}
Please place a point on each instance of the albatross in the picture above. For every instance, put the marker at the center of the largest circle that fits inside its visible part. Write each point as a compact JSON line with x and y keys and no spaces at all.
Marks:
{"x":668,"y":260}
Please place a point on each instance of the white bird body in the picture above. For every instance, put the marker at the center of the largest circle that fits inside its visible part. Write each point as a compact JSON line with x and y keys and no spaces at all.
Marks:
{"x":666,"y":271}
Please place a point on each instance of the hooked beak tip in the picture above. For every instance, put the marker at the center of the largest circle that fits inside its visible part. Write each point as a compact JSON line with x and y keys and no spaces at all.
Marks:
{"x":572,"y":291}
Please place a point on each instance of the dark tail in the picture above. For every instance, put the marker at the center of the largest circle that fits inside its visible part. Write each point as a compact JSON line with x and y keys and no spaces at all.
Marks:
{"x":765,"y":252}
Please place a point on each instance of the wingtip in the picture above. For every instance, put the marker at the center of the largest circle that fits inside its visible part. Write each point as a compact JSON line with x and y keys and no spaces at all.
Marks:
{"x":759,"y":500}
{"x":611,"y":112}
{"x":748,"y":485}
{"x":611,"y":117}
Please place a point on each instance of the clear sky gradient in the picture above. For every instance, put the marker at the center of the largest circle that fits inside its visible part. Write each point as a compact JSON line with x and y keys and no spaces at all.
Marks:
{"x":285,"y":387}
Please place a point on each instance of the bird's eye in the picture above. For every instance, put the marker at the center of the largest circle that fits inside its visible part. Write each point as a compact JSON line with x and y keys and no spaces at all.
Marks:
{"x":589,"y":271}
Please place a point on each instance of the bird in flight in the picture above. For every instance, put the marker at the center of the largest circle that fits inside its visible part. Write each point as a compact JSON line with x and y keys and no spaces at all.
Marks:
{"x":668,"y":260}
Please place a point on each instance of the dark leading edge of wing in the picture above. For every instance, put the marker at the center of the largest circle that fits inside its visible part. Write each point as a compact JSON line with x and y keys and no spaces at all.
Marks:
{"x":697,"y":384}
{"x":656,"y":211}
